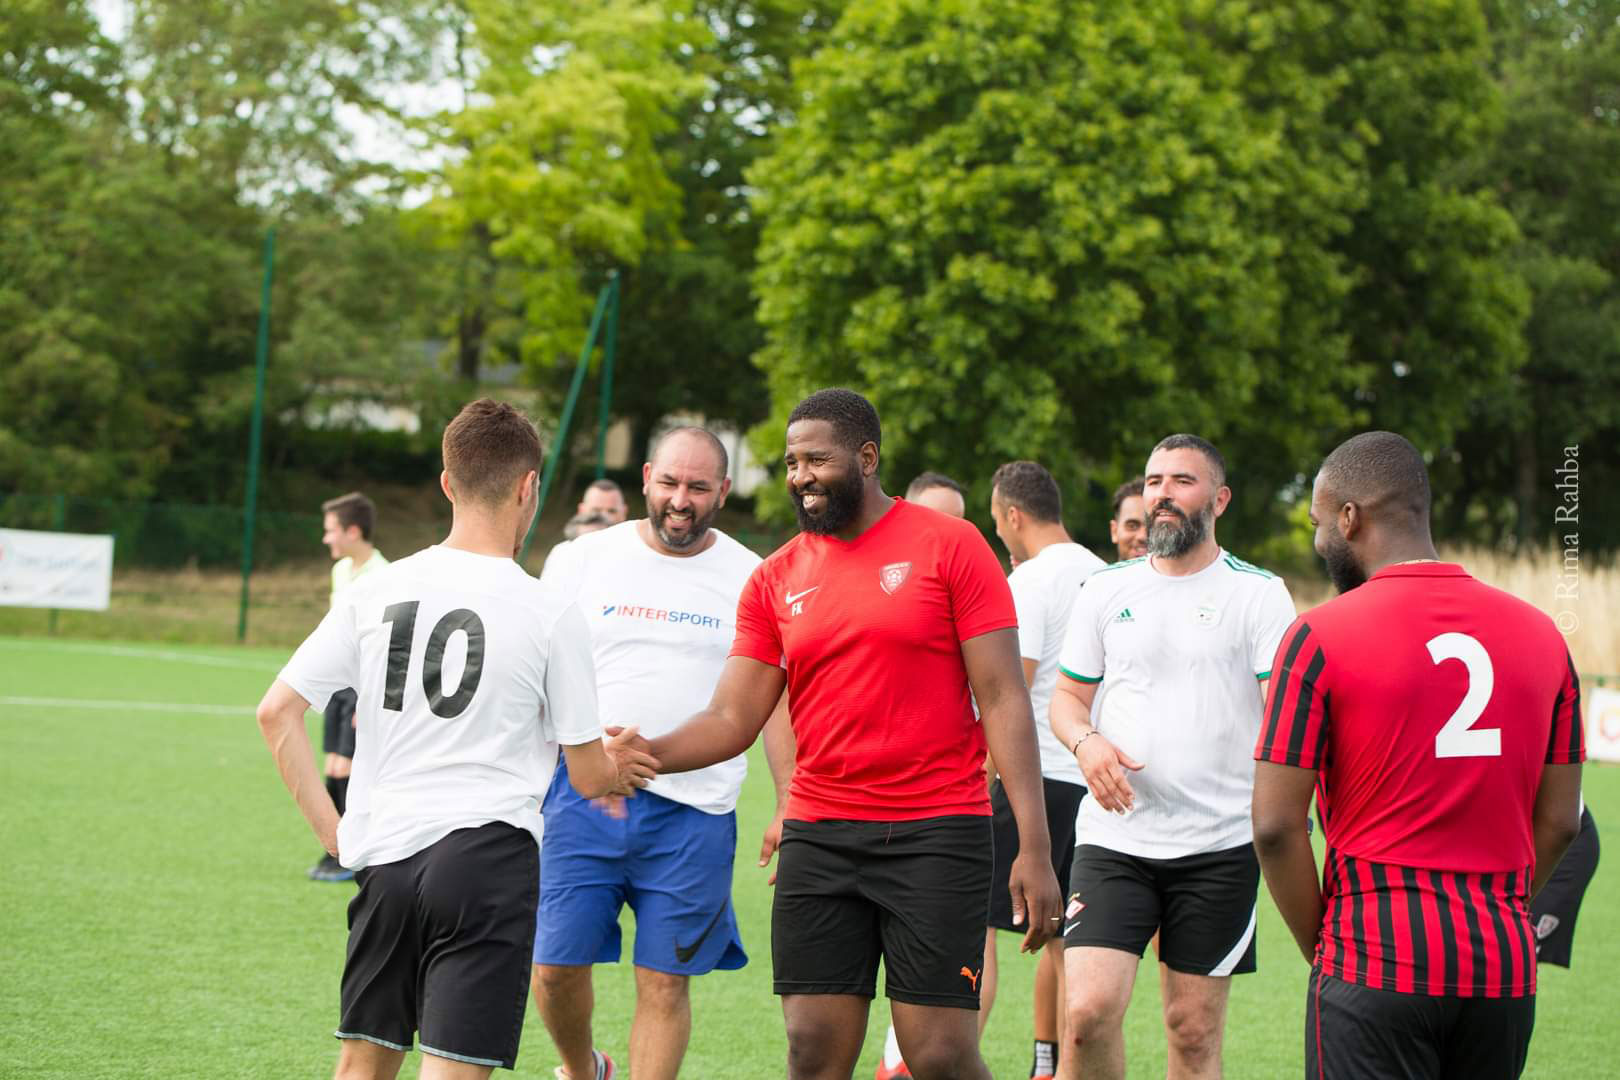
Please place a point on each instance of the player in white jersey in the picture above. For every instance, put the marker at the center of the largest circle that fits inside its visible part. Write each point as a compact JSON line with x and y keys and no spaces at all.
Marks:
{"x":469,"y":676}
{"x":346,"y":524}
{"x":1179,"y":643}
{"x":660,"y":595}
{"x":1027,"y":509}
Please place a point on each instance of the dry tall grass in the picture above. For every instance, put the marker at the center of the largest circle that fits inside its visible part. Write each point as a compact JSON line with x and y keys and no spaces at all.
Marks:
{"x":1586,"y":603}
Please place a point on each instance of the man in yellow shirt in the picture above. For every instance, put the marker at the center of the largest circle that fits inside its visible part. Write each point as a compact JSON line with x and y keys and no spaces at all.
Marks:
{"x":347,"y":521}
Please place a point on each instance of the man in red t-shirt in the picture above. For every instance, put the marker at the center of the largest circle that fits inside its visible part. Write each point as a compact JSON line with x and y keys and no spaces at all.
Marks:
{"x":1438,"y":721}
{"x":881,"y":618}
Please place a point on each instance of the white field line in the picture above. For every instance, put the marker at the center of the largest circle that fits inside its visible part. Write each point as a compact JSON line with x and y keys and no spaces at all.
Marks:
{"x":138,"y":653}
{"x":124,"y":706}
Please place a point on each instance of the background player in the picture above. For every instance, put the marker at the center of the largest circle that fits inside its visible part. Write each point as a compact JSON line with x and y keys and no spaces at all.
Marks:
{"x":606,"y":498}
{"x":1438,"y":721}
{"x":880,"y":617}
{"x":1128,"y":528}
{"x":1184,"y":639}
{"x":346,"y":522}
{"x":1554,"y":908}
{"x":660,"y":597}
{"x":1027,"y":508}
{"x":469,"y":676}
{"x":937,"y":492}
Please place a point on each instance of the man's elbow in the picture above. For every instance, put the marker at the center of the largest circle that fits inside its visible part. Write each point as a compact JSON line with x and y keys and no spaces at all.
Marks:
{"x":1274,"y":833}
{"x":272,"y":719}
{"x":1559,"y":832}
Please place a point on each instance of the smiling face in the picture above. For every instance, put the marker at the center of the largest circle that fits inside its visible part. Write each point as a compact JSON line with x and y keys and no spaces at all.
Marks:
{"x":1343,"y":568}
{"x":609,"y":502}
{"x":1182,"y":500}
{"x":1129,"y":528}
{"x":686,"y":485}
{"x":339,"y":541}
{"x":825,"y":479}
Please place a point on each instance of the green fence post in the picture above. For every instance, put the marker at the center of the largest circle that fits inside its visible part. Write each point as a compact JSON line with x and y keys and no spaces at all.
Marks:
{"x":548,"y":472}
{"x":609,"y":342}
{"x":58,"y":523}
{"x":250,"y":502}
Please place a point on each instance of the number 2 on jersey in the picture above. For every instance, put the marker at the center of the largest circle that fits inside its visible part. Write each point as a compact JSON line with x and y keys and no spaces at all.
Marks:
{"x":1458,"y":738}
{"x":403,"y":618}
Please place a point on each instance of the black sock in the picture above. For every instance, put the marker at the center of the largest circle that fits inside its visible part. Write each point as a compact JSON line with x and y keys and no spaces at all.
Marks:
{"x":338,"y":788}
{"x":1045,"y":1059}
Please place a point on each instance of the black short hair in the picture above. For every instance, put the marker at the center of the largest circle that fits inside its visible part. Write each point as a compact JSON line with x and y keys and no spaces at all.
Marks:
{"x":927,"y":481}
{"x":1379,"y":471}
{"x":1217,"y":463}
{"x":1028,"y":486}
{"x":700,"y":432}
{"x":854,"y":420}
{"x":353,"y":509}
{"x":1133,"y":486}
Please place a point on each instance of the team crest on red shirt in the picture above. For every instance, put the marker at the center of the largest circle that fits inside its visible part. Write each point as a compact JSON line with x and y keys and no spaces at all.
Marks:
{"x":893,"y":576}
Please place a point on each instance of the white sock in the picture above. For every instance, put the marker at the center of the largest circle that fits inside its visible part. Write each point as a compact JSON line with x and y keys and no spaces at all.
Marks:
{"x":891,"y":1050}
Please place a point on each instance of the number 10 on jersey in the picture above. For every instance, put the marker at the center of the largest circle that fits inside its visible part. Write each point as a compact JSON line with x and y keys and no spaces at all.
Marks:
{"x":403,"y":618}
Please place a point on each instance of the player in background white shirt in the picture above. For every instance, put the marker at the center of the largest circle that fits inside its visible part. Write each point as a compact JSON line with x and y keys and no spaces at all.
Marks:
{"x":1181,"y":642}
{"x":468,"y":677}
{"x":660,"y":595}
{"x":1049,"y":568}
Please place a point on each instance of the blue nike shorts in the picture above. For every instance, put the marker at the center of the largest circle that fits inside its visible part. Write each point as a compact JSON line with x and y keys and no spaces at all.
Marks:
{"x":670,"y":862}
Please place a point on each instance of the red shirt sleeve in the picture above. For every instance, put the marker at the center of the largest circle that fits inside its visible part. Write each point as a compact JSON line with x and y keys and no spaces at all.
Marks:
{"x":758,"y":633}
{"x":1294,"y":726}
{"x":1566,"y":745}
{"x":981,"y":600}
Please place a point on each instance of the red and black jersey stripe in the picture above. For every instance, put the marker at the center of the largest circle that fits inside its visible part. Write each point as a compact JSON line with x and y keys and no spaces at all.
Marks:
{"x":1427,"y":931}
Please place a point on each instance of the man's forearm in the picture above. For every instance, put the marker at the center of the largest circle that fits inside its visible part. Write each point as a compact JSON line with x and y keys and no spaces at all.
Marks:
{"x":1290,"y":869}
{"x":706,"y":738}
{"x":1068,"y":716}
{"x":1010,"y":733}
{"x":781,"y":748}
{"x":285,"y":734}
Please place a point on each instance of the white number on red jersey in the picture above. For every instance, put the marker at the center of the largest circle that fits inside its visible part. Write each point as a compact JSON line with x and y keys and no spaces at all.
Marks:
{"x":1458,"y":738}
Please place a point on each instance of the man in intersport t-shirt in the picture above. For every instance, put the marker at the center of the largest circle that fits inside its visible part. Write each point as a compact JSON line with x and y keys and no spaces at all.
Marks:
{"x":469,"y":677}
{"x":885,"y":622}
{"x":660,"y":597}
{"x":1179,"y":644}
{"x":1027,"y":508}
{"x":1438,"y":722}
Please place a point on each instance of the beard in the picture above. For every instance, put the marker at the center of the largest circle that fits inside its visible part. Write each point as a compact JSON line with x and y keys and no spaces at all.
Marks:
{"x":1173,"y":538}
{"x":696,"y":528}
{"x":1342,"y":568}
{"x":841,"y":504}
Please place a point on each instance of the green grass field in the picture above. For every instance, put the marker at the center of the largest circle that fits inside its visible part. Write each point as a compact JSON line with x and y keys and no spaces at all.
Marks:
{"x":157,"y":923}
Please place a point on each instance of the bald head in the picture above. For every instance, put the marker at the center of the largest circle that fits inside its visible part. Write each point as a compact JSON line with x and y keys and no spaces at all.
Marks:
{"x":1381,"y":473}
{"x":693,"y":441}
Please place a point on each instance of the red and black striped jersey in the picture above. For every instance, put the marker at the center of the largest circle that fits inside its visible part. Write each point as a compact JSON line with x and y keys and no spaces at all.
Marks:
{"x":1428,"y":703}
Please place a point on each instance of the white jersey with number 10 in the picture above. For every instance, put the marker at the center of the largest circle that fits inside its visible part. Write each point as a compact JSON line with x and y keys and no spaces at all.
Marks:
{"x":468,"y":678}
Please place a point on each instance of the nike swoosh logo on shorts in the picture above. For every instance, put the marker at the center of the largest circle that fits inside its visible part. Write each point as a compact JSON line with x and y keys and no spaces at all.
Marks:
{"x":1068,"y":928}
{"x":684,"y":953}
{"x":791,"y":597}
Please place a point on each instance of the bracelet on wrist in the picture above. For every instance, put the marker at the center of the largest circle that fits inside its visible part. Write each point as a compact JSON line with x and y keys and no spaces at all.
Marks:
{"x":1075,"y":749}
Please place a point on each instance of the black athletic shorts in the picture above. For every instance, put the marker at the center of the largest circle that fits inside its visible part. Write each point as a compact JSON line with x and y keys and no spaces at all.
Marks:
{"x":1355,"y":1032}
{"x":1062,"y":804}
{"x":1201,"y":906}
{"x":912,"y":893}
{"x":1553,"y":911}
{"x":441,"y":943}
{"x":339,"y":734}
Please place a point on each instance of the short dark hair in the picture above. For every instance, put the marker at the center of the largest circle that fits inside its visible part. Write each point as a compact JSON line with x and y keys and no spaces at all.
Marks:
{"x":487,"y":448}
{"x":699,"y":432}
{"x":1028,"y":486}
{"x":1131,"y":487}
{"x":854,"y":420}
{"x":1378,"y":470}
{"x":1217,"y":463}
{"x":604,"y":484}
{"x":927,"y":481}
{"x":352,"y":509}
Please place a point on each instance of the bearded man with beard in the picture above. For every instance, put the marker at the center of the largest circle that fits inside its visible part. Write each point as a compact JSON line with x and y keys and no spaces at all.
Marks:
{"x":1179,"y":644}
{"x":881,"y":618}
{"x":659,"y":595}
{"x":1437,"y":721}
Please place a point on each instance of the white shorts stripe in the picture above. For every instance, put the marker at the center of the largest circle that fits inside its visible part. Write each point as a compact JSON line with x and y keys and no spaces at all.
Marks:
{"x":1231,"y":959}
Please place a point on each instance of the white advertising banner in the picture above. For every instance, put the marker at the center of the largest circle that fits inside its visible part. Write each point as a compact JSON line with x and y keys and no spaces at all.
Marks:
{"x":55,"y":570}
{"x":1602,"y":723}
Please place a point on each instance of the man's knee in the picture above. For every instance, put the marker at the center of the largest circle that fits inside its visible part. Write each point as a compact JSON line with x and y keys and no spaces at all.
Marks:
{"x":662,"y":992}
{"x":1092,"y":1014}
{"x":945,"y":1059}
{"x":1193,"y":1028}
{"x":551,"y":980}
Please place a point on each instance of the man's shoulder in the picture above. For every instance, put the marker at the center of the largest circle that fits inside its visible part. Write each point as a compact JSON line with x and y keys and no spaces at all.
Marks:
{"x":1244,"y":567}
{"x":730,"y":549}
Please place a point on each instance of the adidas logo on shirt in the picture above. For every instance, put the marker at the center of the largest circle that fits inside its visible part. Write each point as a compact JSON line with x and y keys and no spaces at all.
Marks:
{"x":1124,"y":616}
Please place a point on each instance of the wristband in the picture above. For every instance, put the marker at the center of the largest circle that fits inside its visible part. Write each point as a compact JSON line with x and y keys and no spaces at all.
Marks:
{"x":1075,"y":749}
